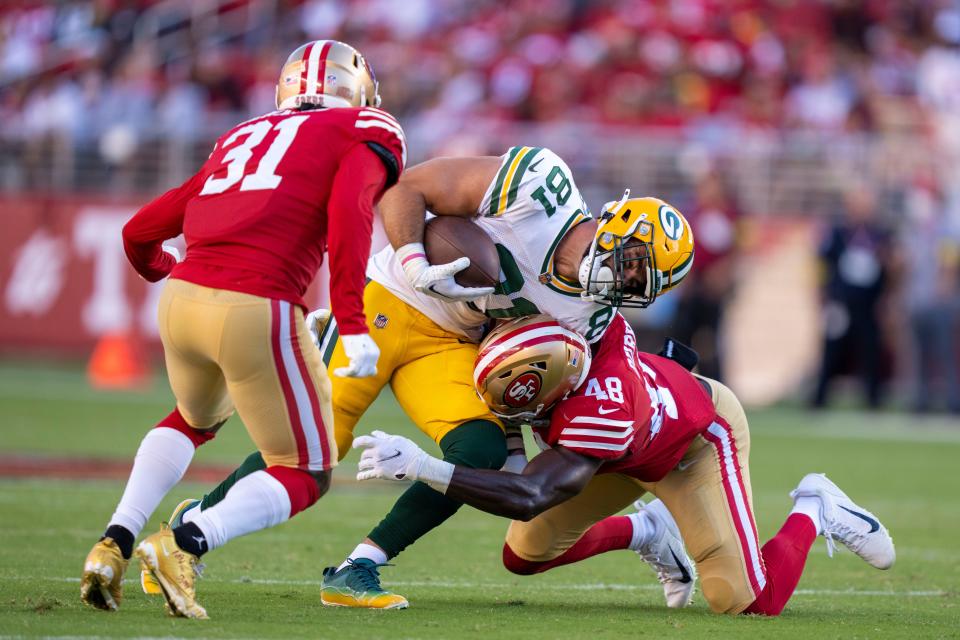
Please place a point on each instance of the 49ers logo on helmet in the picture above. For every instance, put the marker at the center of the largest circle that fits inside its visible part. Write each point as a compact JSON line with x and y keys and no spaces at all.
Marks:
{"x":522,"y":390}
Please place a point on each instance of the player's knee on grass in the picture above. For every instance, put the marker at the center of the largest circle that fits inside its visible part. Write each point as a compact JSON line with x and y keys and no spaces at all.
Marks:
{"x":479,"y":444}
{"x":515,"y":564}
{"x":723,"y":595}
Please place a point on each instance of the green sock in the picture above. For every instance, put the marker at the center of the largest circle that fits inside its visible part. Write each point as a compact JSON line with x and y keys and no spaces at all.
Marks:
{"x":479,"y":444}
{"x":254,"y":462}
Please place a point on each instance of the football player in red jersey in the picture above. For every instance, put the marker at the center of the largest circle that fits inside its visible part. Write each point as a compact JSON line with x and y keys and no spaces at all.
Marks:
{"x":276,"y":192}
{"x":639,"y":423}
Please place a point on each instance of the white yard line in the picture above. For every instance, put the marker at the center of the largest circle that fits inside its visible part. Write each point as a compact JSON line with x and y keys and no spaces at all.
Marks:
{"x":533,"y":586}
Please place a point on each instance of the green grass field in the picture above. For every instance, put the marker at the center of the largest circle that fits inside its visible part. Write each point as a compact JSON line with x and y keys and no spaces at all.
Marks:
{"x":266,"y":585}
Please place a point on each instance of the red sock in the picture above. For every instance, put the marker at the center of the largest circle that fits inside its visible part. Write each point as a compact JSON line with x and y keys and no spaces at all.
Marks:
{"x":784,"y":556}
{"x":301,"y":487}
{"x":176,"y":421}
{"x":609,"y":534}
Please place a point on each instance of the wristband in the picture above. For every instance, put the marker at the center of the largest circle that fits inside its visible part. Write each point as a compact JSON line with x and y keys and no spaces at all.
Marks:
{"x":435,"y":473}
{"x":412,"y":258}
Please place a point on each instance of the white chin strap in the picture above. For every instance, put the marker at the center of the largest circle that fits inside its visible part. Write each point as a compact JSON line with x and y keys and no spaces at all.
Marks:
{"x":593,"y":271}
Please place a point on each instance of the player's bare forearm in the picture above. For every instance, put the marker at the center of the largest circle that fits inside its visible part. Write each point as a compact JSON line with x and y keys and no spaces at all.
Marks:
{"x":554,"y":476}
{"x":402,"y":210}
{"x":443,"y":186}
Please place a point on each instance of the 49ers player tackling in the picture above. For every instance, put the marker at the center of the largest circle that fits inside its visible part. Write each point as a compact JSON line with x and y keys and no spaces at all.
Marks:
{"x":276,"y":191}
{"x":639,"y":423}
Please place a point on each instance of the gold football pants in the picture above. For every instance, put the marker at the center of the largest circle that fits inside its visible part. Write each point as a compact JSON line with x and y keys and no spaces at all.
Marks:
{"x":227,"y":350}
{"x":708,"y":495}
{"x":429,"y":369}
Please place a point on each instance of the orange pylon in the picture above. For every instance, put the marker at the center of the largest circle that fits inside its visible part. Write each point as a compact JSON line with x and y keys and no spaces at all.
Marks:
{"x":117,"y":362}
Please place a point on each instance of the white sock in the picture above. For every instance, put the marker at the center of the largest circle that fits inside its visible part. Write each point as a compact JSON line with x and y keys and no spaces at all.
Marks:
{"x":368,"y":551}
{"x":257,"y":502}
{"x":191,"y":514}
{"x":810,"y":507}
{"x":161,"y":461}
{"x":643,"y":529}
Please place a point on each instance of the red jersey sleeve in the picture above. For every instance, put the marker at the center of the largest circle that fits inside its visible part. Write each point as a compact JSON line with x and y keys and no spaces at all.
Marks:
{"x":384,"y":135}
{"x":592,"y":427}
{"x":358,"y":185}
{"x":160,"y":220}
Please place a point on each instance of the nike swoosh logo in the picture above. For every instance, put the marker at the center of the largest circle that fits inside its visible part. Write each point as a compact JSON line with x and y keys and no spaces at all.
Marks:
{"x":533,"y":167}
{"x":604,"y":411}
{"x":874,"y":525}
{"x":685,"y":575}
{"x":396,"y":455}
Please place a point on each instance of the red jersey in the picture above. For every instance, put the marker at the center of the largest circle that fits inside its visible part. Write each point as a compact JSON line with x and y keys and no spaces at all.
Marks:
{"x":638,"y":412}
{"x":274,"y":194}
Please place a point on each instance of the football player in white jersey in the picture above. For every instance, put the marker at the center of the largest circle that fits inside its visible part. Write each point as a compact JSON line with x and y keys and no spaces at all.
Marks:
{"x":555,"y":259}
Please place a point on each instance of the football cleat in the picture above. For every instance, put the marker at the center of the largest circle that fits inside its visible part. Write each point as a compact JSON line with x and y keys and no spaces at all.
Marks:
{"x":175,"y":570}
{"x":101,"y":584}
{"x":845,"y":521}
{"x":665,"y":553}
{"x":147,"y":582}
{"x":358,"y":585}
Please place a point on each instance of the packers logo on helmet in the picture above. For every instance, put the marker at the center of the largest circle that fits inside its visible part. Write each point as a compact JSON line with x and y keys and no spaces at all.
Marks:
{"x":642,"y":248}
{"x":527,"y":365}
{"x":327,"y":73}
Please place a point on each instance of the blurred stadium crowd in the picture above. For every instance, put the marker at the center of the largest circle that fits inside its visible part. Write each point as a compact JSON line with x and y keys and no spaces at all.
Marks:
{"x":845,"y":110}
{"x":825,"y":65}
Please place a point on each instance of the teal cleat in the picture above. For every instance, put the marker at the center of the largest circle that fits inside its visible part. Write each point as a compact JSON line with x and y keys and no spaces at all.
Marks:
{"x":358,"y":585}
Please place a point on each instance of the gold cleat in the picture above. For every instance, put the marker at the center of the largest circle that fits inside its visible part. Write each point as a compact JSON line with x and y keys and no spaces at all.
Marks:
{"x":175,"y":570}
{"x":148,"y":583}
{"x":101,"y":585}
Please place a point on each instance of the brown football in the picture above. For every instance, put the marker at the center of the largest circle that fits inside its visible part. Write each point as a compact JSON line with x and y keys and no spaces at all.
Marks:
{"x":447,"y":238}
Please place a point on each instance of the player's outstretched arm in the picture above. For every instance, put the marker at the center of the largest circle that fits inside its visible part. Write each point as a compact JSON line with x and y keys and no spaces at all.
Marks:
{"x":552,"y":477}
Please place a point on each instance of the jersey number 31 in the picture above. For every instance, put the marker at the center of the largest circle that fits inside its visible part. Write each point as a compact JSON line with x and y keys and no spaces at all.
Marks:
{"x":236,"y":159}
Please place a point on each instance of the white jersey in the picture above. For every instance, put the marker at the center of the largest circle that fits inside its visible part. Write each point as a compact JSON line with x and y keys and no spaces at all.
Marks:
{"x":527,"y":209}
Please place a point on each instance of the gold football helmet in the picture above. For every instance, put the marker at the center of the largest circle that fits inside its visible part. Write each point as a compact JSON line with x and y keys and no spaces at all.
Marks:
{"x":527,"y":365}
{"x":327,"y":73}
{"x":642,"y":248}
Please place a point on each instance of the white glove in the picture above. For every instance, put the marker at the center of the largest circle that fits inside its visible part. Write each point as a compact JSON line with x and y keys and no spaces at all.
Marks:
{"x":173,"y":251}
{"x":397,"y":458}
{"x":363,"y":353}
{"x":316,"y":320}
{"x":437,"y":280}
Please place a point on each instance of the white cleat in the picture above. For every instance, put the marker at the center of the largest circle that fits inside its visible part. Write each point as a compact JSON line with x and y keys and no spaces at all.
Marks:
{"x":844,"y":520}
{"x":667,"y":556}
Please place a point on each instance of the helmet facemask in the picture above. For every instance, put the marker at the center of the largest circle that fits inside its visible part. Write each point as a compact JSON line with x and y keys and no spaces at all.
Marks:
{"x":605,"y":281}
